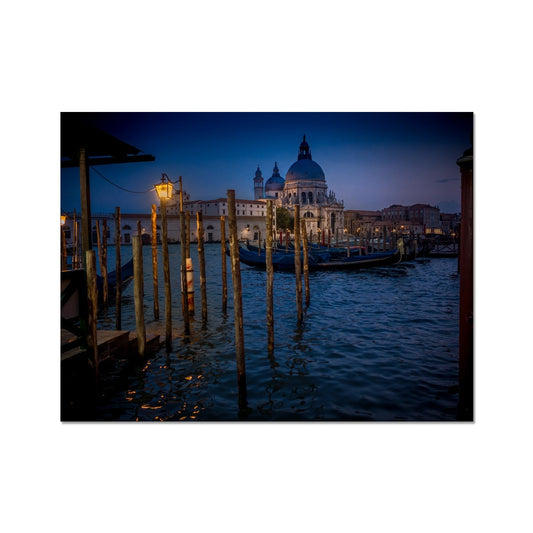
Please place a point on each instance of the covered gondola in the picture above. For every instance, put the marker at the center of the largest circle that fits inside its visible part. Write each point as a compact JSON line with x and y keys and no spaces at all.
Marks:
{"x":319,"y":261}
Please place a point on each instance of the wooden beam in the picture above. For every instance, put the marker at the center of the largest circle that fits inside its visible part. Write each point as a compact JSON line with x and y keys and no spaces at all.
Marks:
{"x":86,"y":243}
{"x":90,"y":161}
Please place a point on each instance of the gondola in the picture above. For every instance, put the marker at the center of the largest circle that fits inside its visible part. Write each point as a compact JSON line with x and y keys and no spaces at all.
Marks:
{"x":285,"y":261}
{"x":126,"y":275}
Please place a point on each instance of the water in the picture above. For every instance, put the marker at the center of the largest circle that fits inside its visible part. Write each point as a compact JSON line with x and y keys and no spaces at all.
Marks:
{"x":377,"y":344}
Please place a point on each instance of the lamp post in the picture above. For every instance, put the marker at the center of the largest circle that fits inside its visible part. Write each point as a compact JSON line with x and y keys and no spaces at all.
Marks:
{"x":164,"y":192}
{"x":63,"y":243}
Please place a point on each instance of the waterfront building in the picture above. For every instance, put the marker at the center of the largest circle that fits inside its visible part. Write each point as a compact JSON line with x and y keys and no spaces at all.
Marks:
{"x":359,"y":219}
{"x":450,"y":223}
{"x":419,"y":218}
{"x":250,"y":214}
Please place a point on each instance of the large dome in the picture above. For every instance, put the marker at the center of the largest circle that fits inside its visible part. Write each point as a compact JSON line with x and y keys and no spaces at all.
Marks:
{"x":306,"y":170}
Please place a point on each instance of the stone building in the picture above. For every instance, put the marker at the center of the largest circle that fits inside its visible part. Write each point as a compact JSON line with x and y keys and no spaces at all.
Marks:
{"x":423,"y":216}
{"x":358,"y":219}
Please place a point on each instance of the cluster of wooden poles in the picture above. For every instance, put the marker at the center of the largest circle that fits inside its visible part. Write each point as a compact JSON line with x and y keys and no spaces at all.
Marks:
{"x":300,"y":241}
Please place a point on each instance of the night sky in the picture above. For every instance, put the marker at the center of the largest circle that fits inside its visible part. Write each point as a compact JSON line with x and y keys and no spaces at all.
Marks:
{"x":371,"y":160}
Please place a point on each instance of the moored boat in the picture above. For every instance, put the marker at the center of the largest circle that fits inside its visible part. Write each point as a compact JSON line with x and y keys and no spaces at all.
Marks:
{"x":126,"y":275}
{"x":319,"y":260}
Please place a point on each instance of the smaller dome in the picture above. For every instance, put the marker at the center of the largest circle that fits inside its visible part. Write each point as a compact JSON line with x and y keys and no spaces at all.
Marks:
{"x":258,"y":173}
{"x":275,"y":182}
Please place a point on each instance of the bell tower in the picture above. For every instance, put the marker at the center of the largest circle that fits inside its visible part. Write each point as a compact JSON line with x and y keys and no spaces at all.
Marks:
{"x":258,"y":184}
{"x":305,"y":151}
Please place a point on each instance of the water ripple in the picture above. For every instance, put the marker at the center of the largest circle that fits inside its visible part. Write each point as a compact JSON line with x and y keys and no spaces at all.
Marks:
{"x":379,"y":344}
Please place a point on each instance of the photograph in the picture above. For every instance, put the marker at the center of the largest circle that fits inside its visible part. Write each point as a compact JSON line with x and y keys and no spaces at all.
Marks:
{"x":267,"y":266}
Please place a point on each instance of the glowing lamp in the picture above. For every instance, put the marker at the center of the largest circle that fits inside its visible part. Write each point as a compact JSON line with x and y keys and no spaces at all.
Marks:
{"x":63,"y":220}
{"x":164,"y":189}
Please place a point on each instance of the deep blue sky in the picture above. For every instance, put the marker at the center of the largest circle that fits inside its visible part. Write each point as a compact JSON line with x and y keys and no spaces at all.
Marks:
{"x":371,"y":160}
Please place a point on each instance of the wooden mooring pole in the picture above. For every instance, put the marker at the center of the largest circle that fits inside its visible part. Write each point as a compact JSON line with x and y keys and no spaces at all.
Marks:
{"x":270,"y":278}
{"x":201,"y":262}
{"x":224,"y":273}
{"x":104,"y":262}
{"x":154,"y":262}
{"x":188,"y":234}
{"x":190,"y":269}
{"x":75,"y":239}
{"x":466,"y":288}
{"x":306,"y":264}
{"x":118,"y":288}
{"x":63,"y":250}
{"x":237,"y":299}
{"x":92,"y":304}
{"x":138,"y":293}
{"x":183,"y":247}
{"x":166,"y":276}
{"x":102,"y":257}
{"x":298,"y":263}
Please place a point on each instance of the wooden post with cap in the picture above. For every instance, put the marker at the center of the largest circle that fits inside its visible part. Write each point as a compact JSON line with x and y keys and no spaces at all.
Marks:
{"x":138,"y":293}
{"x":201,"y":262}
{"x":298,"y":263}
{"x":118,"y":279}
{"x":224,"y":269}
{"x":306,"y":263}
{"x":183,"y":247}
{"x":237,"y":299}
{"x":166,"y":276}
{"x":270,"y":278}
{"x":154,"y":262}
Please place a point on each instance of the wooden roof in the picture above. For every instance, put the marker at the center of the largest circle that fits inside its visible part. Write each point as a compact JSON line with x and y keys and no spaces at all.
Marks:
{"x":102,"y":148}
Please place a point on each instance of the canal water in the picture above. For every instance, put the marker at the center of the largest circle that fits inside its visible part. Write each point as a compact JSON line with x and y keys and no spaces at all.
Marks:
{"x":375,"y":345}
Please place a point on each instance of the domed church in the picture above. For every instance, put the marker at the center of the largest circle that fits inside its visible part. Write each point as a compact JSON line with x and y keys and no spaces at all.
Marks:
{"x":305,"y":185}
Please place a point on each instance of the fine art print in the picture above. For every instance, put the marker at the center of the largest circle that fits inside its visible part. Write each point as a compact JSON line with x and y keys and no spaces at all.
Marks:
{"x":267,"y":267}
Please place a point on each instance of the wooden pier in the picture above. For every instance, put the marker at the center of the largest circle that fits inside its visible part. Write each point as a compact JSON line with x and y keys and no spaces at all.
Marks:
{"x":116,"y":344}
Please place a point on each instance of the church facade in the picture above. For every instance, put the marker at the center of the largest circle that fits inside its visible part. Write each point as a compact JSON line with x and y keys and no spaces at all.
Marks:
{"x":304,"y":185}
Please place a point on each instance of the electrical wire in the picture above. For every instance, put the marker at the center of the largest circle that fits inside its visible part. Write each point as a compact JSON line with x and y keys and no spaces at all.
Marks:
{"x":118,"y":186}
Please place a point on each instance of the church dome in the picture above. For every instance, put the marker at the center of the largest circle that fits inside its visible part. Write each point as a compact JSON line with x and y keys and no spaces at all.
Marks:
{"x":275,"y":182}
{"x":305,"y":168}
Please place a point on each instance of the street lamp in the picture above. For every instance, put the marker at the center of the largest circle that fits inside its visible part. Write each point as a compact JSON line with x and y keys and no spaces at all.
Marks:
{"x":63,"y":243}
{"x":164,"y":192}
{"x":165,"y":188}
